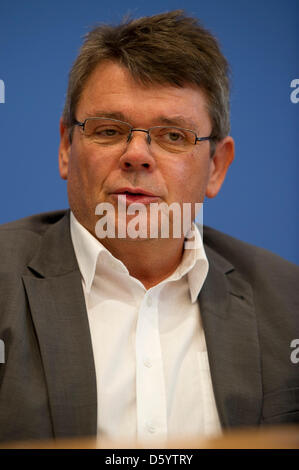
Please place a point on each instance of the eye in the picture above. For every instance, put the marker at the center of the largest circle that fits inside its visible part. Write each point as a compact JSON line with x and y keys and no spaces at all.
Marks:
{"x":174,"y":136}
{"x":105,"y":131}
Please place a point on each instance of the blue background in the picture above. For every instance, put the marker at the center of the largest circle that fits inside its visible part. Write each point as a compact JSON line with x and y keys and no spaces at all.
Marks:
{"x":259,"y":201}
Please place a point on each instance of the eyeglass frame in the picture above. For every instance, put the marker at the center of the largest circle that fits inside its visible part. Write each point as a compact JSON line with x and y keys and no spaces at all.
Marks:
{"x":147,"y":131}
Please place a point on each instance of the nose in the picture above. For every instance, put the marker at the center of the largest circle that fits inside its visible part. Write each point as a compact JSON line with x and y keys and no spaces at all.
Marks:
{"x":137,"y":155}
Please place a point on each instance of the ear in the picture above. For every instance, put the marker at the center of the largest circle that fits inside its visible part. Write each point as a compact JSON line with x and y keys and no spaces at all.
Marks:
{"x":221,"y":160}
{"x":64,"y":150}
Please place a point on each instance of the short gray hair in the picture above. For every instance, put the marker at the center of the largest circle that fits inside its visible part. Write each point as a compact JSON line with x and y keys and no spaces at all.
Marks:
{"x":169,"y":48}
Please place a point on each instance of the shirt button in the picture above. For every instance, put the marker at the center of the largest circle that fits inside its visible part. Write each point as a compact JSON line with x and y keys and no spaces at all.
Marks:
{"x":150,"y":428}
{"x":149,"y":302}
{"x":147,"y":362}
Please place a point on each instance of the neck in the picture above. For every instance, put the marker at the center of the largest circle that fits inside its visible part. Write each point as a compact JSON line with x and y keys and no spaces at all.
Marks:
{"x":150,"y":261}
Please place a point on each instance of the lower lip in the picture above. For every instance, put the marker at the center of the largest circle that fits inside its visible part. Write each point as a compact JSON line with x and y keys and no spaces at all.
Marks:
{"x":136,"y":198}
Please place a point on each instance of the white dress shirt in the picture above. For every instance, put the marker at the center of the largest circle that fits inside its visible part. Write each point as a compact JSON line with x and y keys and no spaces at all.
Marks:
{"x":152,"y":369}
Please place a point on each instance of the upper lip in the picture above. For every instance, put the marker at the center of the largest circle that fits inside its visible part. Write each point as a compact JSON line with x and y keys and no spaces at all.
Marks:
{"x":133,"y":191}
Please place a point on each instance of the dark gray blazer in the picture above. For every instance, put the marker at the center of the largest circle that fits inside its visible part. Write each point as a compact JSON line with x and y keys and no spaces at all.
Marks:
{"x":250,"y":312}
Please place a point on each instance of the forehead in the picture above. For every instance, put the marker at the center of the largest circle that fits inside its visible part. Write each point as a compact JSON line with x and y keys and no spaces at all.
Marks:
{"x":111,"y":89}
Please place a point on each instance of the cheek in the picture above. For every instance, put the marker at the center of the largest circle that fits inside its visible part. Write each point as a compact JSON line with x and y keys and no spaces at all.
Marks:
{"x":188,"y":178}
{"x":88,"y":168}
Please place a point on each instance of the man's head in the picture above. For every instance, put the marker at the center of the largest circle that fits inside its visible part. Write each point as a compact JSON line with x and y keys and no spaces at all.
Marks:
{"x":169,"y":48}
{"x":147,"y":72}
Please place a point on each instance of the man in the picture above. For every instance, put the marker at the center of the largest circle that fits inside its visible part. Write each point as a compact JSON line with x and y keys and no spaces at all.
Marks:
{"x":140,"y":337}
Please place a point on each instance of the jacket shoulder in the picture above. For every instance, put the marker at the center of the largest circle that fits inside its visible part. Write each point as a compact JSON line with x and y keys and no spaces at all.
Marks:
{"x":37,"y":223}
{"x":19,"y":240}
{"x":253,"y":261}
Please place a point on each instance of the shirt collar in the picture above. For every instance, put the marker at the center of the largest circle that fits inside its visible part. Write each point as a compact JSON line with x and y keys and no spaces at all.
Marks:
{"x":88,"y":249}
{"x":194,"y":263}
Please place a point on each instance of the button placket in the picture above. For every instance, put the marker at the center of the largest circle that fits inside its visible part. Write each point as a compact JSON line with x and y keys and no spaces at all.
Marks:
{"x":150,"y":387}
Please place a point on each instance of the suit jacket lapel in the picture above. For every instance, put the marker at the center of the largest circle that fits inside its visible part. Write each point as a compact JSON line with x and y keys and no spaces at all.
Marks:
{"x":229,"y":321}
{"x":56,"y":299}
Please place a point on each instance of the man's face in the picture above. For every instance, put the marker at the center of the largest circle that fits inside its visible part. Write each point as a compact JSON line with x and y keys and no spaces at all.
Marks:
{"x":97,"y":173}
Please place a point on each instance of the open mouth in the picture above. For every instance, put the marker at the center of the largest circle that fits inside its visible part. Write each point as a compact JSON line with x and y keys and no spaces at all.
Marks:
{"x":132,"y":194}
{"x":137,"y":195}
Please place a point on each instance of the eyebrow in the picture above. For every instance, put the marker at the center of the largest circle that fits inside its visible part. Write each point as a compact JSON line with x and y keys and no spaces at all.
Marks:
{"x":116,"y":115}
{"x":178,"y":121}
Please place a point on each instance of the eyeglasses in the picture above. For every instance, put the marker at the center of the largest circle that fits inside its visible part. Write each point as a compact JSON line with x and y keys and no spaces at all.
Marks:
{"x":111,"y":132}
